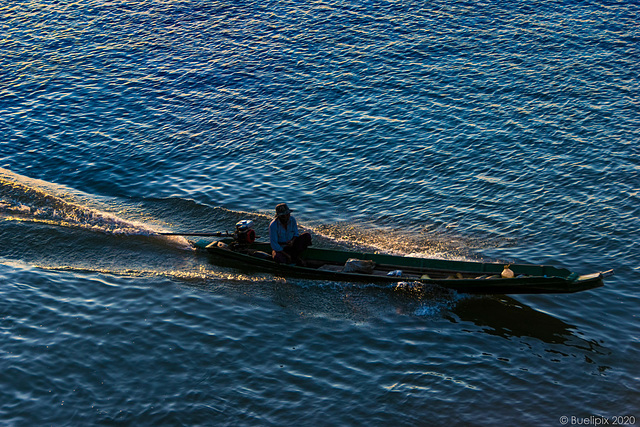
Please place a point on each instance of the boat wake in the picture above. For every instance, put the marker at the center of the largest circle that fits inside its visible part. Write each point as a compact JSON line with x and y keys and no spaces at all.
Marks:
{"x":195,"y":275}
{"x":24,"y":199}
{"x":83,"y":233}
{"x":397,"y":241}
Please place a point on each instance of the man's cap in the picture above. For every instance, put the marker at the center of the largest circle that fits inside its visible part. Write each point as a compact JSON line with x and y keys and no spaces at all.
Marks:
{"x":282,"y":209}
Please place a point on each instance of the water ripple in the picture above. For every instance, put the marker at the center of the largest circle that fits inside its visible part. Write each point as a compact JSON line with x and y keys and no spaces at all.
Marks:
{"x":500,"y":130}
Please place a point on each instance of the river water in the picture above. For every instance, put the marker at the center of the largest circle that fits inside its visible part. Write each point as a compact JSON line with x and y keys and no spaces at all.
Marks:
{"x":502,"y":131}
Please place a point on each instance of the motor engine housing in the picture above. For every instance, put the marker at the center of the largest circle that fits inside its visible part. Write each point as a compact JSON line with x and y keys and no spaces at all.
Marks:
{"x":244,"y":232}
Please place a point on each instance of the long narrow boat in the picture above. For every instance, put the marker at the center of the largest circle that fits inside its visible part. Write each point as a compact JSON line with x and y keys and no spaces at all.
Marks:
{"x":462,"y":276}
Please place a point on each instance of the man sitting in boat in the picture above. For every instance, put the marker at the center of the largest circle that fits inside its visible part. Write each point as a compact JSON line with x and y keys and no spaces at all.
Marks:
{"x":286,"y":241}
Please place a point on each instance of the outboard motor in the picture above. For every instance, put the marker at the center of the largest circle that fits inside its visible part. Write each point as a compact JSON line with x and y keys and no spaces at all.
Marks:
{"x":244,"y":232}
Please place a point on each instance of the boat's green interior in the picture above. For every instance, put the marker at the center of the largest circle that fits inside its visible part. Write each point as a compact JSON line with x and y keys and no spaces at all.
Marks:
{"x":335,"y":260}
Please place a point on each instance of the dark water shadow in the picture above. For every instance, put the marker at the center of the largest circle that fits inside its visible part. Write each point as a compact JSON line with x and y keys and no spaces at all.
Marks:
{"x":505,"y":317}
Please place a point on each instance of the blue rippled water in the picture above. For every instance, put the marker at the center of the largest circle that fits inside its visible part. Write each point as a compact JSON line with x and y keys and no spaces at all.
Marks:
{"x":505,"y":131}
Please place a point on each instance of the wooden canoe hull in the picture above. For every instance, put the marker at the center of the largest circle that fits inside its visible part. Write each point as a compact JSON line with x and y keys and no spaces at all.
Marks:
{"x":462,"y":276}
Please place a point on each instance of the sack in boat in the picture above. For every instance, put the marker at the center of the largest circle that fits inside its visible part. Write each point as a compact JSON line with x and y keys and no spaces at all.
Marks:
{"x":507,"y":273}
{"x":354,"y":265}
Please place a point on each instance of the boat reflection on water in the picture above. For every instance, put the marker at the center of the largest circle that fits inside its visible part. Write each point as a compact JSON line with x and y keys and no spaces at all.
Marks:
{"x":505,"y":317}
